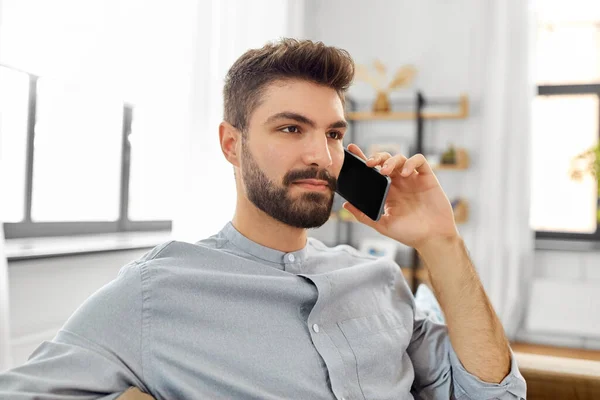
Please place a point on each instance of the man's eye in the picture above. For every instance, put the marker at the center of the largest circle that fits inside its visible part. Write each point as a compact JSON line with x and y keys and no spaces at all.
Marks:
{"x":336,"y":135}
{"x":291,"y":129}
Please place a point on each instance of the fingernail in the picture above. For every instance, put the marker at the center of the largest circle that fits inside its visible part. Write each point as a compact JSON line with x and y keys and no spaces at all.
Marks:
{"x":405,"y":171}
{"x":370,"y":159}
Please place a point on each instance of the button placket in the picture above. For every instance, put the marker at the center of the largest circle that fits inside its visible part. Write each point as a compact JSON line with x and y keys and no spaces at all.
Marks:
{"x":322,"y":342}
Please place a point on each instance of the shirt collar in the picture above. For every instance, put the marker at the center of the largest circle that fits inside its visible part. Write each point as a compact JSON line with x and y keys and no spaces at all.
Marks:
{"x":264,"y":253}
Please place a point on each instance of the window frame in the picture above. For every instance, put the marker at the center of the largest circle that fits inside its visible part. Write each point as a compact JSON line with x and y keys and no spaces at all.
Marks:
{"x":562,"y":90}
{"x":27,"y":228}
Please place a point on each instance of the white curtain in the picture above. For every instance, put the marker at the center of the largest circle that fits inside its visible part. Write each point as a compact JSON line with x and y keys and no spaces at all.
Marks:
{"x":5,"y":358}
{"x":503,"y":90}
{"x":225,"y":30}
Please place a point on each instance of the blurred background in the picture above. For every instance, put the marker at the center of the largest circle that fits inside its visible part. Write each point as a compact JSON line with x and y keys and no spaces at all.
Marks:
{"x":109,"y":144}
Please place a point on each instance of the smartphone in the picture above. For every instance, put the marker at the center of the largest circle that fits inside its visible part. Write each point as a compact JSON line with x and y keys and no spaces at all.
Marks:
{"x":362,"y":186}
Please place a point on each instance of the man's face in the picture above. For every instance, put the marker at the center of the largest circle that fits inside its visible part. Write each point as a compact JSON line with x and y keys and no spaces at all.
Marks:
{"x":293,"y":152}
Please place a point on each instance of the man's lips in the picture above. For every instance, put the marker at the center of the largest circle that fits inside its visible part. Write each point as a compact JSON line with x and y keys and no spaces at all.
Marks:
{"x":312,"y":184}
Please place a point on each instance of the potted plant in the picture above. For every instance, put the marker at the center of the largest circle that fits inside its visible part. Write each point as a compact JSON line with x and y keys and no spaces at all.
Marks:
{"x":588,"y":163}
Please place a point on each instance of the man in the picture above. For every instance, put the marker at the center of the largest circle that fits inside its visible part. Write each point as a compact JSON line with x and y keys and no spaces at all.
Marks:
{"x":262,"y":311}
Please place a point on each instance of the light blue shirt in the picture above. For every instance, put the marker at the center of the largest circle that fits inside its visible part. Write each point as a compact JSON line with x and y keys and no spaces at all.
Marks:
{"x":227,"y":318}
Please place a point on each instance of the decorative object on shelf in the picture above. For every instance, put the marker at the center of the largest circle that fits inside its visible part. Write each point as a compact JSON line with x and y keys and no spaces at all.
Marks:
{"x":587,"y":163}
{"x":461,"y":210}
{"x":403,"y":77}
{"x":449,"y":156}
{"x":452,"y":158}
{"x":384,"y":248}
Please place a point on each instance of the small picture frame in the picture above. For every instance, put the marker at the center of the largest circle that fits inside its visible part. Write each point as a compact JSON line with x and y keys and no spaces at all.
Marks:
{"x":379,"y":248}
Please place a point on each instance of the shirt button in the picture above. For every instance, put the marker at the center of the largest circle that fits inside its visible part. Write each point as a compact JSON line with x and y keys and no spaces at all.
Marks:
{"x":316,"y":328}
{"x":291,"y":257}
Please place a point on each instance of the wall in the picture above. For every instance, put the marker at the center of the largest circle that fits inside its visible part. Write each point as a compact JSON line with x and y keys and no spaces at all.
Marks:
{"x":439,"y":38}
{"x":43,"y":294}
{"x":401,"y":33}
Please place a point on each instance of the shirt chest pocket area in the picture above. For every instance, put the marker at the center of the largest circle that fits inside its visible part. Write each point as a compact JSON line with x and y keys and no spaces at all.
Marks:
{"x":379,"y":344}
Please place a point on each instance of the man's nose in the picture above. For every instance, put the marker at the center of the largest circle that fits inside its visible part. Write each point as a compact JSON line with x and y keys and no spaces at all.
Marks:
{"x":317,"y":152}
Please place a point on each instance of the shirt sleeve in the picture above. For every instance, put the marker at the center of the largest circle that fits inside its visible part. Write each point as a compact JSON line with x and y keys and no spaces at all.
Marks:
{"x":96,"y":355}
{"x":439,"y":374}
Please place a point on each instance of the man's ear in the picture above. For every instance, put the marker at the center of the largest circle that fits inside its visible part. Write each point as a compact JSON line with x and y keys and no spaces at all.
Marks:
{"x":229,"y":138}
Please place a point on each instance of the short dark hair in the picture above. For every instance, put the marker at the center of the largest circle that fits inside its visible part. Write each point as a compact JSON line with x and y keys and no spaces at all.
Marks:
{"x":284,"y":59}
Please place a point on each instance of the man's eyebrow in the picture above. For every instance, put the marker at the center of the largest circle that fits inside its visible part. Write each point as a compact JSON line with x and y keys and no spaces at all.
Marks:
{"x":303,"y":120}
{"x":339,"y":124}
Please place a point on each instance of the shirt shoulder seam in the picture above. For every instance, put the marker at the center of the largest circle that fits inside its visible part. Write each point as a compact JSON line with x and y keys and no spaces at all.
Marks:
{"x":160,"y":249}
{"x":145,"y":325}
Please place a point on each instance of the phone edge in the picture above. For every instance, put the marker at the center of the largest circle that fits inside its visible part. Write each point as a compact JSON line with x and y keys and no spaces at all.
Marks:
{"x":387,"y":189}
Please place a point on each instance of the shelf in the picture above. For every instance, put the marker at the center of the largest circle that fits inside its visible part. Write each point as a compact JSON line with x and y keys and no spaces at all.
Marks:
{"x":462,"y":113}
{"x":446,"y":167}
{"x":462,"y":162}
{"x":461,"y":214}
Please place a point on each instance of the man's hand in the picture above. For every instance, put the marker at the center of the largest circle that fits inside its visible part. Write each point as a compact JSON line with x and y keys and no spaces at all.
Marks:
{"x":417,"y":209}
{"x":418,"y":214}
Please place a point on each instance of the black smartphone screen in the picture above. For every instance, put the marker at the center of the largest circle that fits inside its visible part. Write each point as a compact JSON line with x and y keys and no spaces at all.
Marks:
{"x":364,"y":187}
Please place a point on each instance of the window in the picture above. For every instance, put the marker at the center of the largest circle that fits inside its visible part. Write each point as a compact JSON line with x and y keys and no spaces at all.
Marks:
{"x":14,"y":88}
{"x":66,"y":160}
{"x":77,"y":154}
{"x":91,"y":97}
{"x":566,"y":119}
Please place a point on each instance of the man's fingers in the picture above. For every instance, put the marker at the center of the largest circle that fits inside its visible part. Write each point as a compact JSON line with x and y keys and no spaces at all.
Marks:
{"x":378,"y":159}
{"x":416,"y":163}
{"x":354,"y":149}
{"x":390,"y":165}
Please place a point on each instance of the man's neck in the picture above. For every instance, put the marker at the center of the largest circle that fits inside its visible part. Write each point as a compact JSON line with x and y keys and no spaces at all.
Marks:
{"x":263,"y":229}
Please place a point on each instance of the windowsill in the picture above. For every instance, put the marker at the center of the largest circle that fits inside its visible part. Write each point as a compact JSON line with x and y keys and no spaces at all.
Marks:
{"x":64,"y":246}
{"x":567,"y":245}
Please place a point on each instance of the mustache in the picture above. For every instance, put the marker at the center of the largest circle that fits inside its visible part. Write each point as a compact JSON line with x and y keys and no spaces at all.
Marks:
{"x":313,"y":173}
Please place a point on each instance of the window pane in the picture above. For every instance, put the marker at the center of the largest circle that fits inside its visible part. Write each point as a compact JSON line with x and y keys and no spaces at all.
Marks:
{"x":77,"y":160}
{"x":151,"y":179}
{"x":563,"y":127}
{"x":556,"y":11}
{"x":568,"y":53}
{"x":14,"y":88}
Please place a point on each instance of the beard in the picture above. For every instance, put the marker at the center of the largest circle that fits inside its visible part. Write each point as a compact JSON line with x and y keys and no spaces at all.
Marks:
{"x":307,"y":210}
